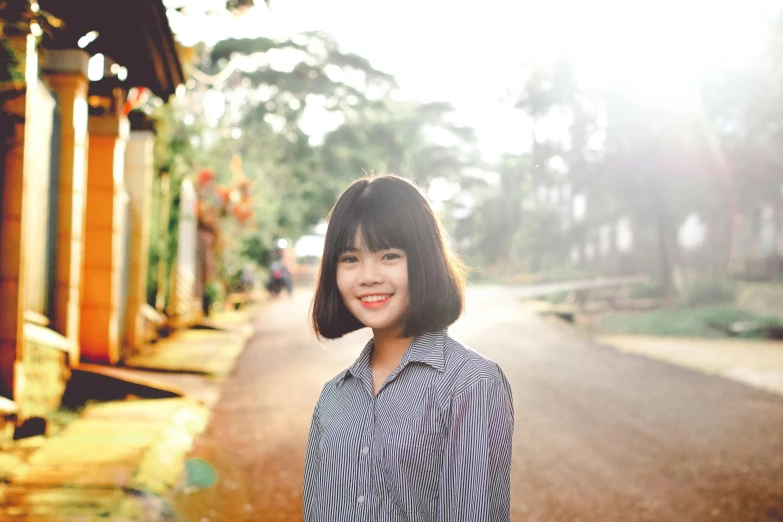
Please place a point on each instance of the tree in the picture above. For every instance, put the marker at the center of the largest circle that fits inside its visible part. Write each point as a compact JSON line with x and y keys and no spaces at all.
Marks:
{"x":246,"y":105}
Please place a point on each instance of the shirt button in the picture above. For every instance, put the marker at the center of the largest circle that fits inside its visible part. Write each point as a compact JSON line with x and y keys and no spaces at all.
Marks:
{"x":365,"y":450}
{"x":360,"y":500}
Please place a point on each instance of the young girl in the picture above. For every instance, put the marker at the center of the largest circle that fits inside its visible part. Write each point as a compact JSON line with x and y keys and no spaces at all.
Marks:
{"x":419,"y":428}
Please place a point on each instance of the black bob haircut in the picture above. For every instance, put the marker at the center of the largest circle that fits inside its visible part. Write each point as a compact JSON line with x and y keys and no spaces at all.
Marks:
{"x":390,"y":212}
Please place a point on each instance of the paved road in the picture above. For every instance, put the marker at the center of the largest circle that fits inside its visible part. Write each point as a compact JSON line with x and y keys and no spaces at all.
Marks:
{"x":600,"y":435}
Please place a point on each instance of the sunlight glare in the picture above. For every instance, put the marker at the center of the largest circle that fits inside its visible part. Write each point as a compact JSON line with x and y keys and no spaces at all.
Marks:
{"x":658,"y":50}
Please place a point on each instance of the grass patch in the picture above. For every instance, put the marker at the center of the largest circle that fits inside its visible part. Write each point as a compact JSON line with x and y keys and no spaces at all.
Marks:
{"x":556,"y":298}
{"x":688,"y":322}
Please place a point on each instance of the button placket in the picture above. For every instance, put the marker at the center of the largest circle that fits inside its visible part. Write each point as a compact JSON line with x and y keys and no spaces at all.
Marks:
{"x":365,"y":464}
{"x":374,"y":458}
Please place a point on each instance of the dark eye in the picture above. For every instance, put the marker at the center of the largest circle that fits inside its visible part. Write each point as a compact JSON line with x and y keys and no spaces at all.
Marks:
{"x":348,"y":259}
{"x":391,"y":256}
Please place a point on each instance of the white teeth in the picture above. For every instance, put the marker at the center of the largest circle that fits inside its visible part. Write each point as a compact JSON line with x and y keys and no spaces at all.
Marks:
{"x":374,"y":298}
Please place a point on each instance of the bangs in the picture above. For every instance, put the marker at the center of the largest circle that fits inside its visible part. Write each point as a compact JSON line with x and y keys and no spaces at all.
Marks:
{"x":382,"y":225}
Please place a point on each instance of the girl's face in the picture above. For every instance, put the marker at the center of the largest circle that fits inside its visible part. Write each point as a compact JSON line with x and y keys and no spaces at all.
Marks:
{"x":374,"y":285}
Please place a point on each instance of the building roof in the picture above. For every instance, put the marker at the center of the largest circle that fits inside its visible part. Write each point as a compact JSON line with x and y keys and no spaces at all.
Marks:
{"x":133,"y":33}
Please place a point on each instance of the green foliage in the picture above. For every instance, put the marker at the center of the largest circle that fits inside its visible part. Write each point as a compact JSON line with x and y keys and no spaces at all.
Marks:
{"x":557,"y":297}
{"x":548,"y":86}
{"x":497,"y":222}
{"x":256,"y":249}
{"x":152,"y":273}
{"x":300,"y":181}
{"x":223,"y":51}
{"x":542,"y":240}
{"x":651,"y":290}
{"x":234,"y":282}
{"x":651,"y":161}
{"x":16,"y":17}
{"x":694,"y":322}
{"x":710,"y":291}
{"x":296,"y":179}
{"x":9,"y":66}
{"x":213,"y":294}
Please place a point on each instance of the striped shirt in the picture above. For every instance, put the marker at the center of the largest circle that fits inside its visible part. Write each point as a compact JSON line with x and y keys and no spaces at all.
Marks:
{"x":433,"y":445}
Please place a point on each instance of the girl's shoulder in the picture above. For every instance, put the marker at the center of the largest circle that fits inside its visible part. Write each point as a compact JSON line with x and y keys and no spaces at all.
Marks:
{"x":335,"y":381}
{"x":332,"y":386}
{"x":465,"y":367}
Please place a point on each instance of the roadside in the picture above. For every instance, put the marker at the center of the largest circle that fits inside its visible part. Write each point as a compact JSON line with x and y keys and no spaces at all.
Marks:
{"x":710,"y":331}
{"x":758,"y":363}
{"x":120,"y":459}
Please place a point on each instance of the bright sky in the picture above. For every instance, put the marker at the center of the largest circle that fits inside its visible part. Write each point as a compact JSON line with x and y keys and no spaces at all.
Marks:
{"x":469,"y":53}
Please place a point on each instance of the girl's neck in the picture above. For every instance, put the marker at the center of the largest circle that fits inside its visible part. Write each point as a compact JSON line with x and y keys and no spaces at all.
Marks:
{"x":389,"y":347}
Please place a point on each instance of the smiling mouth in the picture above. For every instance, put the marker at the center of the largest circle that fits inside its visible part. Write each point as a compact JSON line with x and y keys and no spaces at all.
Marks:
{"x":374,"y":301}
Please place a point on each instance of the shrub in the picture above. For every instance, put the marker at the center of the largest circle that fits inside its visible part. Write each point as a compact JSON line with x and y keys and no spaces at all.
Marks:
{"x":652,"y":290}
{"x":709,"y":291}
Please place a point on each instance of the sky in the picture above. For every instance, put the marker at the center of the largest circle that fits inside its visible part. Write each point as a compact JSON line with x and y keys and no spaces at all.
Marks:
{"x":471,"y":54}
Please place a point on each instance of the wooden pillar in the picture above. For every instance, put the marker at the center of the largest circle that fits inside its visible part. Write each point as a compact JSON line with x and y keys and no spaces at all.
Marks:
{"x":67,"y":74}
{"x":139,"y":171}
{"x":100,"y":321}
{"x":15,"y":209}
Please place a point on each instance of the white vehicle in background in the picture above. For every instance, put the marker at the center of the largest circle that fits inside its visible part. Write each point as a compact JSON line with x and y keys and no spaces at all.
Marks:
{"x":308,"y":251}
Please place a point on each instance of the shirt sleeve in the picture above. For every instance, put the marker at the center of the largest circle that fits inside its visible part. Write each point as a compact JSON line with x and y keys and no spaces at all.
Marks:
{"x":312,"y":467}
{"x":476,"y":475}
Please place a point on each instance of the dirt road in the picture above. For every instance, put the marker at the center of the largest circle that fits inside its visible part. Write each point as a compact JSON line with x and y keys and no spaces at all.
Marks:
{"x":600,"y":435}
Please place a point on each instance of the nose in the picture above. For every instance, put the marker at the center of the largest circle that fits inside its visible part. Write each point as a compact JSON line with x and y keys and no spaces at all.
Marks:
{"x":369,"y":273}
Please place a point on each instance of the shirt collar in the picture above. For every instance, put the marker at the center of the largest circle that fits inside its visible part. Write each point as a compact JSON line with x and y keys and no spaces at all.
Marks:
{"x":361,"y":364}
{"x":428,"y":348}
